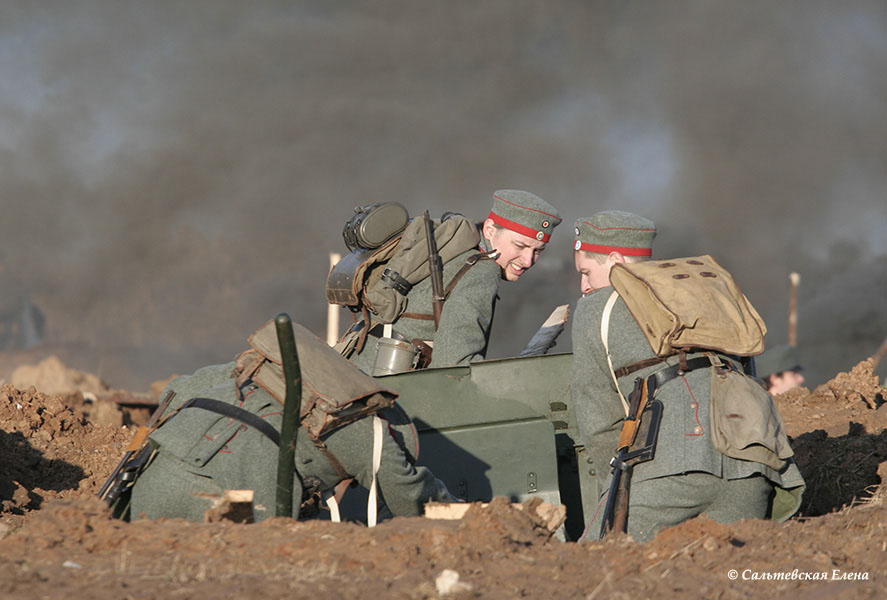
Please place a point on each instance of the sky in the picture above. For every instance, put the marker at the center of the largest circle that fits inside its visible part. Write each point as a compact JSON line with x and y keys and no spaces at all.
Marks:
{"x":174,"y":174}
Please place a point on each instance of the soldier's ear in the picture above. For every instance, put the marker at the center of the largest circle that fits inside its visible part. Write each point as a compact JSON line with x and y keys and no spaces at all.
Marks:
{"x":488,"y":229}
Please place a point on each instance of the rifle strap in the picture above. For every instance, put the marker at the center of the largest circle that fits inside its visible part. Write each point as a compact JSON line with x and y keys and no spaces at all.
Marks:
{"x":469,"y":262}
{"x":605,"y":328}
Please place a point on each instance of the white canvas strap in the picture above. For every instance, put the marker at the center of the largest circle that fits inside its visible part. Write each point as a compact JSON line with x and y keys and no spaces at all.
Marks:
{"x":330,"y":498}
{"x":372,"y":509}
{"x":605,"y":328}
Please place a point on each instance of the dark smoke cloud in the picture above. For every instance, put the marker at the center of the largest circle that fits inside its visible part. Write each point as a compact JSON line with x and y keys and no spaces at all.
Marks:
{"x":174,"y":174}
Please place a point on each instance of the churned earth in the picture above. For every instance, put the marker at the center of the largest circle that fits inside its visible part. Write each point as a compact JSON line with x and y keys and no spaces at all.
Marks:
{"x":58,"y":540}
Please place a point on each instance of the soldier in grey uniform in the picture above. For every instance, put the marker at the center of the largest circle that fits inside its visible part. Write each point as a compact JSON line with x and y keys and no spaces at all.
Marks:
{"x":514,"y":234}
{"x":687,"y":476}
{"x":779,"y":368}
{"x":199,"y":453}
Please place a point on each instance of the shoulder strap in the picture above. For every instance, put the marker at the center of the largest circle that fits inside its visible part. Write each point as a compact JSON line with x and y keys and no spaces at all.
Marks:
{"x":236,"y":413}
{"x":605,"y":326}
{"x":469,"y":262}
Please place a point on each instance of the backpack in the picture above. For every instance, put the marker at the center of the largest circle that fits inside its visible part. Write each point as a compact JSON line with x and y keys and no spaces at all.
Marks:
{"x":688,"y":303}
{"x":376,"y":281}
{"x":334,"y":393}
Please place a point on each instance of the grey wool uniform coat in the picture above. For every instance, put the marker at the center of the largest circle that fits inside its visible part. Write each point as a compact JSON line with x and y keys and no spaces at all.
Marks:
{"x":465,"y":322}
{"x":201,"y":452}
{"x":684,"y":444}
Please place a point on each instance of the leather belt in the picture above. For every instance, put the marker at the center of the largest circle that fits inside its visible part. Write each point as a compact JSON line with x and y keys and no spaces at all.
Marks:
{"x":663,"y":376}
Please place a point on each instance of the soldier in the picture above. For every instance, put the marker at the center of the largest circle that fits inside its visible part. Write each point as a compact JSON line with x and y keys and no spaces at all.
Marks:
{"x":779,"y":369}
{"x":200,"y":452}
{"x":687,"y":476}
{"x":516,"y":231}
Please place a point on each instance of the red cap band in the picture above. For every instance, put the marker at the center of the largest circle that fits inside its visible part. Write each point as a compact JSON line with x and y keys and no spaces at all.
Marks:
{"x":607,"y":249}
{"x":518,"y":228}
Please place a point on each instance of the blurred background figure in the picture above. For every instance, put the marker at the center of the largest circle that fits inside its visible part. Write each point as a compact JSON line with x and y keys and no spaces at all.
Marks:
{"x":780,"y":369}
{"x":21,"y":323}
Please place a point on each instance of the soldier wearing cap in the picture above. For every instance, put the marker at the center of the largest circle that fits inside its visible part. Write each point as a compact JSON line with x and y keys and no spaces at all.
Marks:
{"x":201,"y":451}
{"x":687,"y":476}
{"x":779,"y":369}
{"x":513,"y":235}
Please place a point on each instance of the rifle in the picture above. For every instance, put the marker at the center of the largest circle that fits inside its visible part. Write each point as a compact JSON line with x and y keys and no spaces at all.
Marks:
{"x":119,"y":483}
{"x":436,"y":267}
{"x":643,"y":419}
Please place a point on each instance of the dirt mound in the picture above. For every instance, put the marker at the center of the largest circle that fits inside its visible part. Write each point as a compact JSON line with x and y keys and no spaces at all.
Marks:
{"x":51,"y":376}
{"x":50,"y":450}
{"x":839,"y":433}
{"x":854,"y":397}
{"x":61,"y":542}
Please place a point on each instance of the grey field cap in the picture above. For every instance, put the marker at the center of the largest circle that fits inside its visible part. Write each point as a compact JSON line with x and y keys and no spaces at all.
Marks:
{"x":776,"y":360}
{"x":524,"y":213}
{"x":615,"y":230}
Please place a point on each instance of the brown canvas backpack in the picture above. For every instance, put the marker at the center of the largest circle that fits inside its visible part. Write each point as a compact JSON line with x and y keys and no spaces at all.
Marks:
{"x":688,"y":303}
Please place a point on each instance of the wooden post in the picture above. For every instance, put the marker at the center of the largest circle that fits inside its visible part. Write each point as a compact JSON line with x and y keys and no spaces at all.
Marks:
{"x":332,"y":311}
{"x":794,"y":279}
{"x":292,"y":373}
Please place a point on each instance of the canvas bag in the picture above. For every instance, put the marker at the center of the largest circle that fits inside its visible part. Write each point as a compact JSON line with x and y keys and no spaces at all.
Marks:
{"x":689,"y":303}
{"x":745,"y":423}
{"x":334,"y":392}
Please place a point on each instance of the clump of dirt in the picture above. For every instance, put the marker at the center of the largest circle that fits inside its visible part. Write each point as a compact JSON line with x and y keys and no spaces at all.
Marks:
{"x":50,"y":450}
{"x":61,"y":541}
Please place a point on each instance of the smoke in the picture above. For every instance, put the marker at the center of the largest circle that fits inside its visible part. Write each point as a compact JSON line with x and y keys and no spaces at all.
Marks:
{"x":174,"y":174}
